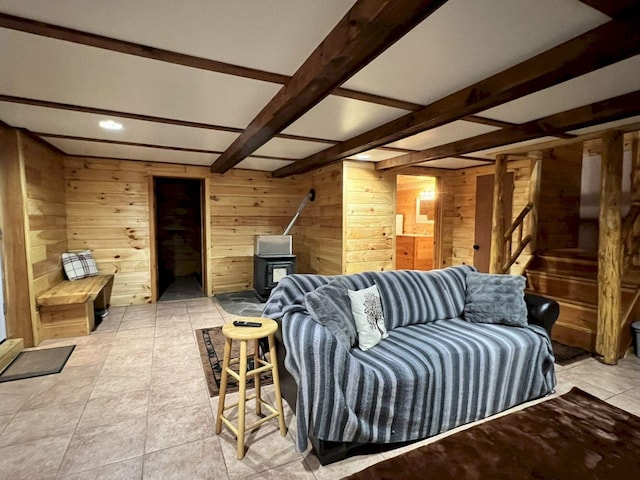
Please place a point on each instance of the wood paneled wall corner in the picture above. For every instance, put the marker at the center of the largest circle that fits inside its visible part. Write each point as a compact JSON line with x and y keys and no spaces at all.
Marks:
{"x":246,"y":203}
{"x":108,"y":213}
{"x":16,"y":264}
{"x":369,"y":218}
{"x":46,"y":218}
{"x":320,"y":248}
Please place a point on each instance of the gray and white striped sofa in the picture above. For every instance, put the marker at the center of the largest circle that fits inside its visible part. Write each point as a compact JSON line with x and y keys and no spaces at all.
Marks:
{"x":434,"y":372}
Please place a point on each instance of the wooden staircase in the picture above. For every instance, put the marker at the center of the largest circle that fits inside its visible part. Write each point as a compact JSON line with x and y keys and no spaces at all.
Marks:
{"x":570,"y":277}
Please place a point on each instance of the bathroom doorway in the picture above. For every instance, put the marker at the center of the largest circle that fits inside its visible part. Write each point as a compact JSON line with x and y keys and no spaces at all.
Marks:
{"x":416,"y":222}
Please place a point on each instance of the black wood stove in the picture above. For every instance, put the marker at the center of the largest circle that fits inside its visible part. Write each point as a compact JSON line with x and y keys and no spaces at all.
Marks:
{"x":273,"y":256}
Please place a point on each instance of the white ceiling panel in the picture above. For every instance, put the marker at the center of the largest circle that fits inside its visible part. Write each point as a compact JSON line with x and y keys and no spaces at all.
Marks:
{"x":339,"y":118}
{"x":452,"y":163}
{"x":375,"y":155}
{"x":284,"y":147}
{"x":617,"y":79}
{"x":80,"y":124}
{"x":37,"y":67}
{"x":107,"y":150}
{"x":492,"y":152}
{"x":467,"y":40}
{"x":451,"y":132}
{"x":262,"y":164}
{"x":605,"y":126}
{"x":276,"y":35}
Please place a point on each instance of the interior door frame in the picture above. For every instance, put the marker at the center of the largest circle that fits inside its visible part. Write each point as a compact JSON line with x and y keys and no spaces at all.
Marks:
{"x":509,"y":188}
{"x":205,"y":231}
{"x":437,"y":220}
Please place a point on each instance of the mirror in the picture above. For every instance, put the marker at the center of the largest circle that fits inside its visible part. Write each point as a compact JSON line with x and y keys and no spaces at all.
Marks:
{"x":422,"y":208}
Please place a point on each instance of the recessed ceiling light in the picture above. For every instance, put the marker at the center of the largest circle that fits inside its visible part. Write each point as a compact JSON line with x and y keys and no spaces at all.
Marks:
{"x":110,"y":125}
{"x":362,"y":156}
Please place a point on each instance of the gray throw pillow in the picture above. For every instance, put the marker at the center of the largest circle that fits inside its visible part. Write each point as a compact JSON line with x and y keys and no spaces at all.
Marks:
{"x":493,"y":298}
{"x":329,"y":305}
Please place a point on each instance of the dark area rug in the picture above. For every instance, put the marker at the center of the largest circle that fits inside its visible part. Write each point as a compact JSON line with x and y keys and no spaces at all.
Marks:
{"x":244,"y":304}
{"x":566,"y":355}
{"x":36,"y":363}
{"x":575,"y":436}
{"x":211,"y":347}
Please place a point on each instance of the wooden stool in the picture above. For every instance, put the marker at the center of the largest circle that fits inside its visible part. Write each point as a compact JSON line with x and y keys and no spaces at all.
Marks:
{"x":245,"y":334}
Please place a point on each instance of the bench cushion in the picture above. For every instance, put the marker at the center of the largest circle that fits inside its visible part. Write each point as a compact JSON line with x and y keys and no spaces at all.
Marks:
{"x":78,"y":291}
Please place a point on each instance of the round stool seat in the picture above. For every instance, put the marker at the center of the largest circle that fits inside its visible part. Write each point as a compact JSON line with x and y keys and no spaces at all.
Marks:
{"x":268,"y":327}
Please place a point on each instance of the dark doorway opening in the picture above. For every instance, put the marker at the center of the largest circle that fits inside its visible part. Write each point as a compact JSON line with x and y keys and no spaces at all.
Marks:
{"x":178,"y":208}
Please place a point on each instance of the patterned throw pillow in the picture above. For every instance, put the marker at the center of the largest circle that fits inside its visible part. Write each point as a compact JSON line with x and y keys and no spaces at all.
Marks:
{"x":79,"y":265}
{"x":366,"y":308}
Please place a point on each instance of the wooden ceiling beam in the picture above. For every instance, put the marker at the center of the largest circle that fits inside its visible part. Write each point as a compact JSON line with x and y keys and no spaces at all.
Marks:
{"x":367,"y":30}
{"x":146,"y":118}
{"x":607,"y":44}
{"x":616,"y":108}
{"x":145,"y":51}
{"x":39,"y":135}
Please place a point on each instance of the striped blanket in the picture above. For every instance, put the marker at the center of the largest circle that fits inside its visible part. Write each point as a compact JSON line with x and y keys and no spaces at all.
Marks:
{"x":434,"y":372}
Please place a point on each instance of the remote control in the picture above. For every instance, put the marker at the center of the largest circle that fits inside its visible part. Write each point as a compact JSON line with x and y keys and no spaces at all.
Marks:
{"x":241,"y":323}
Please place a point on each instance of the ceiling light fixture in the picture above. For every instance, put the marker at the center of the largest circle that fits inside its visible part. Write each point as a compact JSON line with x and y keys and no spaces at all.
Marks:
{"x":110,"y":125}
{"x":362,"y":156}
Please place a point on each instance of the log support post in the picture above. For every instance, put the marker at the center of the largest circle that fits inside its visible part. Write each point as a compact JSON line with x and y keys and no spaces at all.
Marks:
{"x":535,"y":180}
{"x":610,"y":249}
{"x":635,"y":171}
{"x":498,"y":223}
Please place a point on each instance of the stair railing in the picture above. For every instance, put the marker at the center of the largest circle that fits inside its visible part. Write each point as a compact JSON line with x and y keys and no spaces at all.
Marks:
{"x":522,"y":242}
{"x":630,"y":242}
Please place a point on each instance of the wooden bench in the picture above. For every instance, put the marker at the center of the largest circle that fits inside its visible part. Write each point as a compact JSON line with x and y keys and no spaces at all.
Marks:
{"x":67,"y":309}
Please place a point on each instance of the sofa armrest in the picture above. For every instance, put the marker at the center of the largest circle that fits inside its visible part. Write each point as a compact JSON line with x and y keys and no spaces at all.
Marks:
{"x":542,"y":311}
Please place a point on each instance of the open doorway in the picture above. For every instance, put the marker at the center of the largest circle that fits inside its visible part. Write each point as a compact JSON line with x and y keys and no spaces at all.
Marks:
{"x":416,"y":222}
{"x":179,"y":238}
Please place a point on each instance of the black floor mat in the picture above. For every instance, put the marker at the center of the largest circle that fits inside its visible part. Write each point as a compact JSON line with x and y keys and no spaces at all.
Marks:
{"x":35,"y":363}
{"x":566,"y":355}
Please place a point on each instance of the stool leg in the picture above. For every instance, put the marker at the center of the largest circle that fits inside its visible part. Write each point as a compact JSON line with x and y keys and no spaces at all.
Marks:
{"x":256,"y":377}
{"x":223,"y":384}
{"x":243,"y":398}
{"x":276,"y":383}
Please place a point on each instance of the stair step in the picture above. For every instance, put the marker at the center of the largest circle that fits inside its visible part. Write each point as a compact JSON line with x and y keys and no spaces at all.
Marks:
{"x":572,"y":288}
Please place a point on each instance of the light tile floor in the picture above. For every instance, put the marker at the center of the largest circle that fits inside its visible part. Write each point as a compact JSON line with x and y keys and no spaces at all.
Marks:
{"x":132,"y":403}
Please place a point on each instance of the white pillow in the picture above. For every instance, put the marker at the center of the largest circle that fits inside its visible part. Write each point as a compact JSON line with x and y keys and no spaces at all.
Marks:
{"x":367,"y":313}
{"x":79,"y":265}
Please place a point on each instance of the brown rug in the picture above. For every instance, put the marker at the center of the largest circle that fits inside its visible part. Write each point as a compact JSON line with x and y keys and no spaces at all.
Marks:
{"x":575,"y":436}
{"x":211,"y":347}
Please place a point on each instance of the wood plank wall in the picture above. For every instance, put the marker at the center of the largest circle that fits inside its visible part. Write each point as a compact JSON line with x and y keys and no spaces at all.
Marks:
{"x":47,"y":217}
{"x":458,"y":194}
{"x":244,"y":204}
{"x":369,"y":218}
{"x":320,"y":242}
{"x":15,"y":262}
{"x":559,"y":205}
{"x":108,"y":212}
